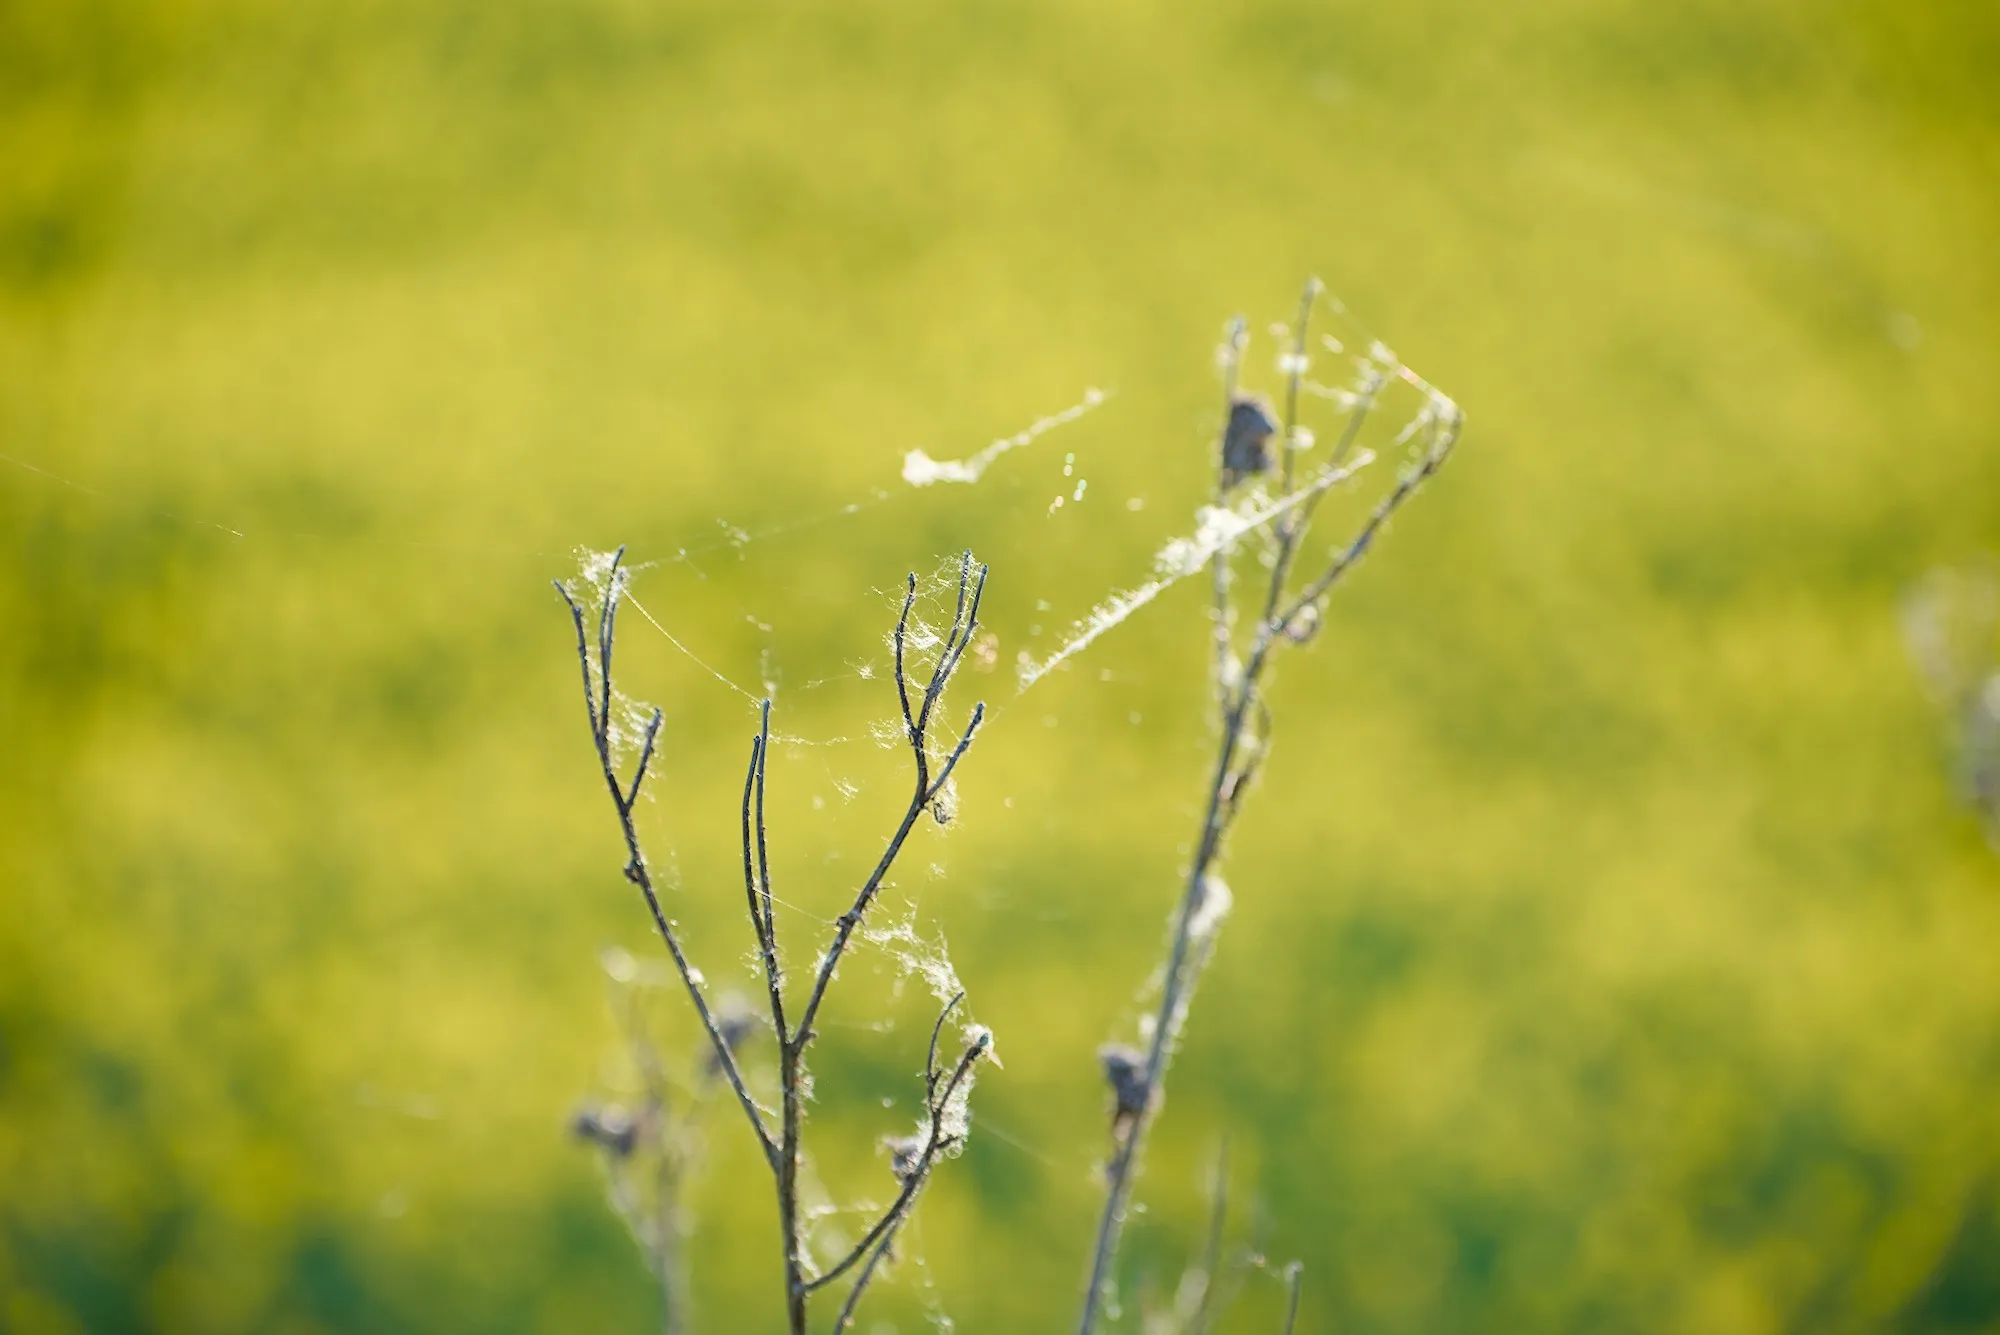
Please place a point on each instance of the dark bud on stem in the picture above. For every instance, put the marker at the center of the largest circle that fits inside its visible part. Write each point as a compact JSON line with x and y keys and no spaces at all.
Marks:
{"x":905,"y":1153}
{"x":1125,"y":1071}
{"x":1302,"y":627}
{"x":612,"y":1129}
{"x":1246,"y":441}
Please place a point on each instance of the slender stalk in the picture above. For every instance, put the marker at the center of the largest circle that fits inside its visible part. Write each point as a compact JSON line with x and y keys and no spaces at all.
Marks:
{"x":883,"y":1234}
{"x":636,"y":869}
{"x":916,"y":725}
{"x":1237,"y":762}
{"x":1292,"y":527}
{"x":784,"y":1152}
{"x":1294,"y":373}
{"x":1294,"y":1280}
{"x":755,"y":871}
{"x":790,"y":1063}
{"x":1220,"y":611}
{"x":1441,"y":447}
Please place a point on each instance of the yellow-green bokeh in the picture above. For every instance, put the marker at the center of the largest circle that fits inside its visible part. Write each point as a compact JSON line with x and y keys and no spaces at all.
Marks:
{"x":1609,"y":953}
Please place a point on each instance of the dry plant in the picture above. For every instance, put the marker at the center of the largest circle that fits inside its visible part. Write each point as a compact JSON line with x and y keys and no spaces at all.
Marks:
{"x":947,"y":1085}
{"x":1269,"y":484}
{"x":650,"y":1148}
{"x":1287,"y":611}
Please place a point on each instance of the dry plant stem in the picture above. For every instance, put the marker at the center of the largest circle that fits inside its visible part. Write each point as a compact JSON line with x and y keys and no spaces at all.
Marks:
{"x":763,"y":920}
{"x":916,"y":730}
{"x":939,"y":1091}
{"x":936,"y":1142}
{"x":1294,"y":1278}
{"x":1280,"y":623}
{"x":1220,"y":612}
{"x":784,"y":1153}
{"x":636,"y":870}
{"x":1295,"y":374}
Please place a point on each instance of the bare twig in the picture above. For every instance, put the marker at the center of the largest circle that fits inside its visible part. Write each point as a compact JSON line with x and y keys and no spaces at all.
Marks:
{"x":1220,"y":611}
{"x":916,"y":727}
{"x":879,"y":1238}
{"x":1240,"y":750}
{"x":635,"y":865}
{"x":916,"y":1171}
{"x":1444,"y":440}
{"x":784,"y":1151}
{"x":756,"y":876}
{"x":1294,"y":1279}
{"x":1295,"y":372}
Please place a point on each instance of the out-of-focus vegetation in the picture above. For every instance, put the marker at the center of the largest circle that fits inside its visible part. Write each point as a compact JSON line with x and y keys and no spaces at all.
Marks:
{"x":1610,"y":952}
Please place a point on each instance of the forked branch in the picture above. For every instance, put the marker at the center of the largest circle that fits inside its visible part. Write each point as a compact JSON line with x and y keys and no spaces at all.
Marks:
{"x":1287,"y":616}
{"x":598,"y":700}
{"x":944,"y":1092}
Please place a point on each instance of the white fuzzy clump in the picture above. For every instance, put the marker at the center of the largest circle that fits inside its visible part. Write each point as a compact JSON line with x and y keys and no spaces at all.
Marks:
{"x":1217,"y":528}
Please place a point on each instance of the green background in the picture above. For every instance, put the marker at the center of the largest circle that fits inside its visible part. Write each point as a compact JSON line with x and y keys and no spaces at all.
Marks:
{"x":1610,"y":953}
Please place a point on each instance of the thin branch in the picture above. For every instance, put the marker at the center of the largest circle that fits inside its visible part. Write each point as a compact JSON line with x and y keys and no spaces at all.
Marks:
{"x":902,"y":678}
{"x":937,"y":1143}
{"x":1295,"y":372}
{"x":597,"y":729}
{"x":1292,"y":527}
{"x":1220,"y":611}
{"x":749,"y":840}
{"x":1226,"y":787}
{"x":955,"y":642}
{"x":1406,"y":486}
{"x":1294,"y":1278}
{"x":931,"y":1071}
{"x":934,"y":1114}
{"x":760,"y":907}
{"x":1245,"y":775}
{"x":940,"y":668}
{"x":1357,"y":417}
{"x":645,"y":759}
{"x":844,"y":927}
{"x":772,"y":972}
{"x":635,"y":864}
{"x":861,"y":1281}
{"x":784,"y":1153}
{"x":1166,"y":1023}
{"x":607,"y":621}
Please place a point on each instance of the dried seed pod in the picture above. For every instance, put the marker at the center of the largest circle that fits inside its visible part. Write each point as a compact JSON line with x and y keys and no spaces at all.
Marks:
{"x":1125,"y":1071}
{"x":1246,"y":441}
{"x":612,"y":1129}
{"x":905,"y":1153}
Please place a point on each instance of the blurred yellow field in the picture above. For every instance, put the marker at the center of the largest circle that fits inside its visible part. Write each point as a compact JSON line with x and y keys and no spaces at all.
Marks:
{"x":1610,"y":950}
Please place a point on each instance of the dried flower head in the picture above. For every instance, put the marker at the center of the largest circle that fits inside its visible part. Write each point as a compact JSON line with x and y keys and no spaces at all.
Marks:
{"x":1246,"y":441}
{"x":905,"y":1154}
{"x":1125,"y":1071}
{"x":611,"y":1128}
